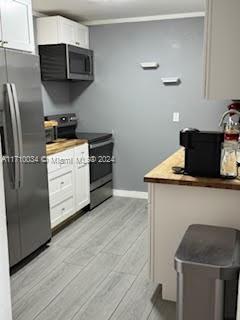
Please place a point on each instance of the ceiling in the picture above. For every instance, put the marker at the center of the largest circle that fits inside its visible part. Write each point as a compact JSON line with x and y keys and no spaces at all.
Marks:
{"x":88,"y":10}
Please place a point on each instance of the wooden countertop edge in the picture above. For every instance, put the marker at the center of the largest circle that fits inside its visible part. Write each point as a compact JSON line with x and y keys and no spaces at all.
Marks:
{"x":163,"y":174}
{"x":63,"y":147}
{"x":212,"y":185}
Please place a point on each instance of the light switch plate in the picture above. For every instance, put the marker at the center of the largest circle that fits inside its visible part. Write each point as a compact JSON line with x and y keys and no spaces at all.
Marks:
{"x":176,"y":116}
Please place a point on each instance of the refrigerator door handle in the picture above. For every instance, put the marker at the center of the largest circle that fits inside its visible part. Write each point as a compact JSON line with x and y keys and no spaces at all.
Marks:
{"x":15,"y":136}
{"x":19,"y":133}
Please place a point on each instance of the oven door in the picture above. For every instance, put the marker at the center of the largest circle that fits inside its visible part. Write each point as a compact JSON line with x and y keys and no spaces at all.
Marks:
{"x":101,"y":161}
{"x":79,"y":63}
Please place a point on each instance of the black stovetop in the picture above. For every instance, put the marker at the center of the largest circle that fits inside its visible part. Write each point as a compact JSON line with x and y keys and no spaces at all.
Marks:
{"x":93,"y":137}
{"x":67,"y":129}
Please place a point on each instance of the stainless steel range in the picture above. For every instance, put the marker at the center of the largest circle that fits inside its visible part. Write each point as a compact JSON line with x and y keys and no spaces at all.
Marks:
{"x":100,"y":154}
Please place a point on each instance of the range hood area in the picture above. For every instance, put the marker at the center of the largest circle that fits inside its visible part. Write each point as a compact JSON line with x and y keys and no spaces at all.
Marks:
{"x":61,"y":62}
{"x":64,"y":49}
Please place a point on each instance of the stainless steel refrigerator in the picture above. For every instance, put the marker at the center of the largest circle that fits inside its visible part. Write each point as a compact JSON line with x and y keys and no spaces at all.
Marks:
{"x":23,"y":140}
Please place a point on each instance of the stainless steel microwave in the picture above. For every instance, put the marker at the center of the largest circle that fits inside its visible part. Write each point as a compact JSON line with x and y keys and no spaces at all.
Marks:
{"x":66,"y":62}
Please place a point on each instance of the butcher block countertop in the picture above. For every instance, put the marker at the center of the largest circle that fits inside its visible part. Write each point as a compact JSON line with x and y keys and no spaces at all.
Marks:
{"x":50,"y":124}
{"x":63,"y":144}
{"x":163,"y":174}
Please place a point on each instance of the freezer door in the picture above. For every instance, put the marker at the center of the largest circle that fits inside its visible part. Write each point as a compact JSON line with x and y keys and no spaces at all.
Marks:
{"x":7,"y":122}
{"x":34,"y":216}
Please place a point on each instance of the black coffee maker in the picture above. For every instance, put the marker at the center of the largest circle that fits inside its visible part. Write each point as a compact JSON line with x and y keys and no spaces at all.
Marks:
{"x":202,"y":152}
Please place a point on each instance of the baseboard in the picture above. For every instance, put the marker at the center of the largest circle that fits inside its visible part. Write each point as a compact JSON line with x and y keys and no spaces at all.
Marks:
{"x":130,"y":194}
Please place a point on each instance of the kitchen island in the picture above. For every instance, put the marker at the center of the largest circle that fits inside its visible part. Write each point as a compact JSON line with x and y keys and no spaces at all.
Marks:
{"x":177,"y":201}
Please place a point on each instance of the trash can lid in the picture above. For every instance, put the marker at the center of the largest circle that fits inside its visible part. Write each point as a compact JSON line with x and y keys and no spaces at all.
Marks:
{"x":210,"y":248}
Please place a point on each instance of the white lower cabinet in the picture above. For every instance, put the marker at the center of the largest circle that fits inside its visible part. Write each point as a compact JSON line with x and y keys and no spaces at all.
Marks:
{"x":69,"y":183}
{"x":62,"y":211}
{"x":82,"y":178}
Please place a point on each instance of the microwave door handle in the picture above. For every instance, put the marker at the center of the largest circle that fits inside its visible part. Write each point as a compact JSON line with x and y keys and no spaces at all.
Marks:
{"x":13,"y":120}
{"x":19,"y":133}
{"x":91,"y":64}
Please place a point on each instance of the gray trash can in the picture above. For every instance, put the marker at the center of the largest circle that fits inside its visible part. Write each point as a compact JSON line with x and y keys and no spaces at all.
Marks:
{"x":207,"y":264}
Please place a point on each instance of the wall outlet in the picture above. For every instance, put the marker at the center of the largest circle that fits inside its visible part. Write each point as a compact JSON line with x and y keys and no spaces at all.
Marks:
{"x":176,"y":117}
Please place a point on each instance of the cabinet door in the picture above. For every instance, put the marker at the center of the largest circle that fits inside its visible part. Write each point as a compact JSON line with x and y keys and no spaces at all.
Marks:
{"x":17,"y":24}
{"x":222,"y":49}
{"x":82,"y":36}
{"x":82,"y":180}
{"x":67,"y":32}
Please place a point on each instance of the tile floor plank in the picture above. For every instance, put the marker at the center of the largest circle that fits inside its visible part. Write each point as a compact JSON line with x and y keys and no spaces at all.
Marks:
{"x":42,"y":294}
{"x":94,"y":269}
{"x":136,"y":257}
{"x":138,"y":302}
{"x":104,"y":235}
{"x":163,"y":310}
{"x":106,"y":298}
{"x":77,"y":293}
{"x":124,"y":240}
{"x":97,"y":217}
{"x":36,"y":270}
{"x":88,"y":230}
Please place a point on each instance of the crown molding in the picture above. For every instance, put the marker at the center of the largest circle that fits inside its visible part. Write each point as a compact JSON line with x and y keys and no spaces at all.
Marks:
{"x":38,"y":14}
{"x":147,"y":18}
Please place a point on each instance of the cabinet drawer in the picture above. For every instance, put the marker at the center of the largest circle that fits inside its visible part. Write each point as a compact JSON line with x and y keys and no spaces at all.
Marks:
{"x":62,"y":211}
{"x":60,"y":160}
{"x":61,"y":182}
{"x":61,"y":185}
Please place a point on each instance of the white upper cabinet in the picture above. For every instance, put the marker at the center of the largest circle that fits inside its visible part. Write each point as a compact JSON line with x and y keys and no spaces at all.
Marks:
{"x":222,"y":50}
{"x":82,"y":36}
{"x":17,"y":25}
{"x":67,"y":31}
{"x":57,"y":29}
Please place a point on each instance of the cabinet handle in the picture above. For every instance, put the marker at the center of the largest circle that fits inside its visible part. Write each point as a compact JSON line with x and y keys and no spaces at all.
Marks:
{"x":4,"y":42}
{"x":82,"y":165}
{"x":63,"y":209}
{"x":62,"y":182}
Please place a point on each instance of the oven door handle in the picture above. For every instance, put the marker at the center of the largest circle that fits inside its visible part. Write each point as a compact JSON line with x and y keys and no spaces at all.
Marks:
{"x":101,"y":144}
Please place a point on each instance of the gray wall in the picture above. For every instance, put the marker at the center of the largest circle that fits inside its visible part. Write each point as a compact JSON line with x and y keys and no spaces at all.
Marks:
{"x":134,"y":103}
{"x":56,"y":98}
